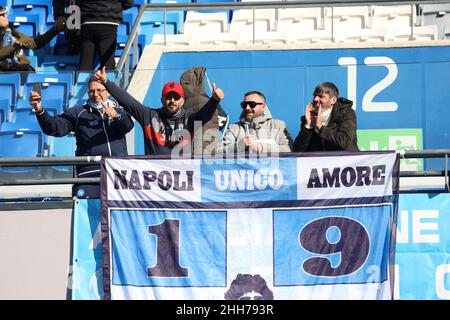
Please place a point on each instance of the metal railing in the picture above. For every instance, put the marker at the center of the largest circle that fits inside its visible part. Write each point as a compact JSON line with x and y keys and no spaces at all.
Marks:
{"x":132,"y":43}
{"x":64,"y":161}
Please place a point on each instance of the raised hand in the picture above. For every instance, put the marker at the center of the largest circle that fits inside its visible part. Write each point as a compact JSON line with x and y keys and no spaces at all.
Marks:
{"x":100,"y":76}
{"x":308,"y":114}
{"x":217,"y":93}
{"x":35,"y":101}
{"x":319,"y":118}
{"x":110,"y":111}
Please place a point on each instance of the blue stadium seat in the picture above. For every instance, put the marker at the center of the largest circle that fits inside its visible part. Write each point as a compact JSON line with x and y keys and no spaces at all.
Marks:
{"x":152,"y":22}
{"x":53,"y":106}
{"x":16,"y":141}
{"x":129,"y":17}
{"x":26,"y":119}
{"x":6,"y":3}
{"x":54,"y":85}
{"x":43,"y":7}
{"x":80,"y":89}
{"x":60,"y":63}
{"x":63,"y":147}
{"x":49,"y":91}
{"x":5,"y":110}
{"x":121,"y":43}
{"x":19,"y":143}
{"x":34,"y":61}
{"x":9,"y":90}
{"x":137,"y":3}
{"x":30,"y":24}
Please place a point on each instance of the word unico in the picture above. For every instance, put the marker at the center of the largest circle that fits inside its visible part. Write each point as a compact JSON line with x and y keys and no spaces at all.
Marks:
{"x":241,"y":180}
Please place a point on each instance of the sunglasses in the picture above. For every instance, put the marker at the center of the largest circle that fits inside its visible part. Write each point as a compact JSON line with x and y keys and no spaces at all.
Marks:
{"x":251,"y":104}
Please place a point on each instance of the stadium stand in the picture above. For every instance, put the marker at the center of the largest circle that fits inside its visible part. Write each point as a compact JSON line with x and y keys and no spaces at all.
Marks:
{"x":30,"y":24}
{"x":27,"y":143}
{"x":212,"y":28}
{"x":5,"y":110}
{"x":54,"y":85}
{"x":153,"y":23}
{"x":9,"y":92}
{"x":379,"y":29}
{"x":436,"y":14}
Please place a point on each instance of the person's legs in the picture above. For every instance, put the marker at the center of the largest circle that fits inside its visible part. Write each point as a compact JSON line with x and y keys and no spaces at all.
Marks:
{"x":106,"y":45}
{"x":87,"y":50}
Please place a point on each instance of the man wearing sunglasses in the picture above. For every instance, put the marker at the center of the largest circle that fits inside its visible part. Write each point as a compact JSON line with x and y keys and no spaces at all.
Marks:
{"x":329,"y":123}
{"x":256,"y":131}
{"x":169,"y":129}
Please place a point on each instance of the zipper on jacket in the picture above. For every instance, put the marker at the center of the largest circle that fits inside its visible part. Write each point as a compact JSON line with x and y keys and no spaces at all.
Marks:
{"x":106,"y":134}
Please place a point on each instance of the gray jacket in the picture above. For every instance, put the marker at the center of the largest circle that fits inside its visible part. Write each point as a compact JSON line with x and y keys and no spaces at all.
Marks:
{"x":271,"y":133}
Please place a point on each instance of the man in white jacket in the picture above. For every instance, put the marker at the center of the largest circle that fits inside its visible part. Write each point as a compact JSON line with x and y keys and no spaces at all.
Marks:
{"x":256,"y":131}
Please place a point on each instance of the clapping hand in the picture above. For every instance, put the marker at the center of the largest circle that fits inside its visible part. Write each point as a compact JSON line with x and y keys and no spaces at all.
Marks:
{"x":313,"y":116}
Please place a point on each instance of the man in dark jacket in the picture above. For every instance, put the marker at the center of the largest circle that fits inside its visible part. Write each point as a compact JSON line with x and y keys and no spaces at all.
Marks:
{"x":100,"y":127}
{"x":169,"y":129}
{"x":12,"y":43}
{"x":193,"y":82}
{"x":99,"y":22}
{"x":329,"y":123}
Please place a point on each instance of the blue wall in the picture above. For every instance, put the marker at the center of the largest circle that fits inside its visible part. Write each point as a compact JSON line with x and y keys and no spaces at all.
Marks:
{"x":416,"y":80}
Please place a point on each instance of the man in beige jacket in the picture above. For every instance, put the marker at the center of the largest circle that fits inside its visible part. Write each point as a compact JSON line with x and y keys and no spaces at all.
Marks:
{"x":256,"y":131}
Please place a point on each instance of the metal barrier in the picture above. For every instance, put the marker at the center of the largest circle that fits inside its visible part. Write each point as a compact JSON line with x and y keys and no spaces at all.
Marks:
{"x":64,"y":161}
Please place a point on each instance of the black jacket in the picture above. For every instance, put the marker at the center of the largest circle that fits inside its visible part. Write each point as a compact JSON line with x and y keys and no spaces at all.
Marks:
{"x":95,"y":135}
{"x":338,"y":135}
{"x":96,"y":10}
{"x":159,"y":137}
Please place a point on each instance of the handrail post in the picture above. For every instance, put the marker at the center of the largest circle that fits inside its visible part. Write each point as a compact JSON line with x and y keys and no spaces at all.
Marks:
{"x":412,"y":18}
{"x":165,"y":27}
{"x":135,"y":51}
{"x":447,"y":183}
{"x":254,"y":27}
{"x":332,"y":24}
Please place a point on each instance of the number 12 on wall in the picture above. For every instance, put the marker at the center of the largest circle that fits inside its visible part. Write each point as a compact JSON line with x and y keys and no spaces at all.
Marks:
{"x":368,"y":103}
